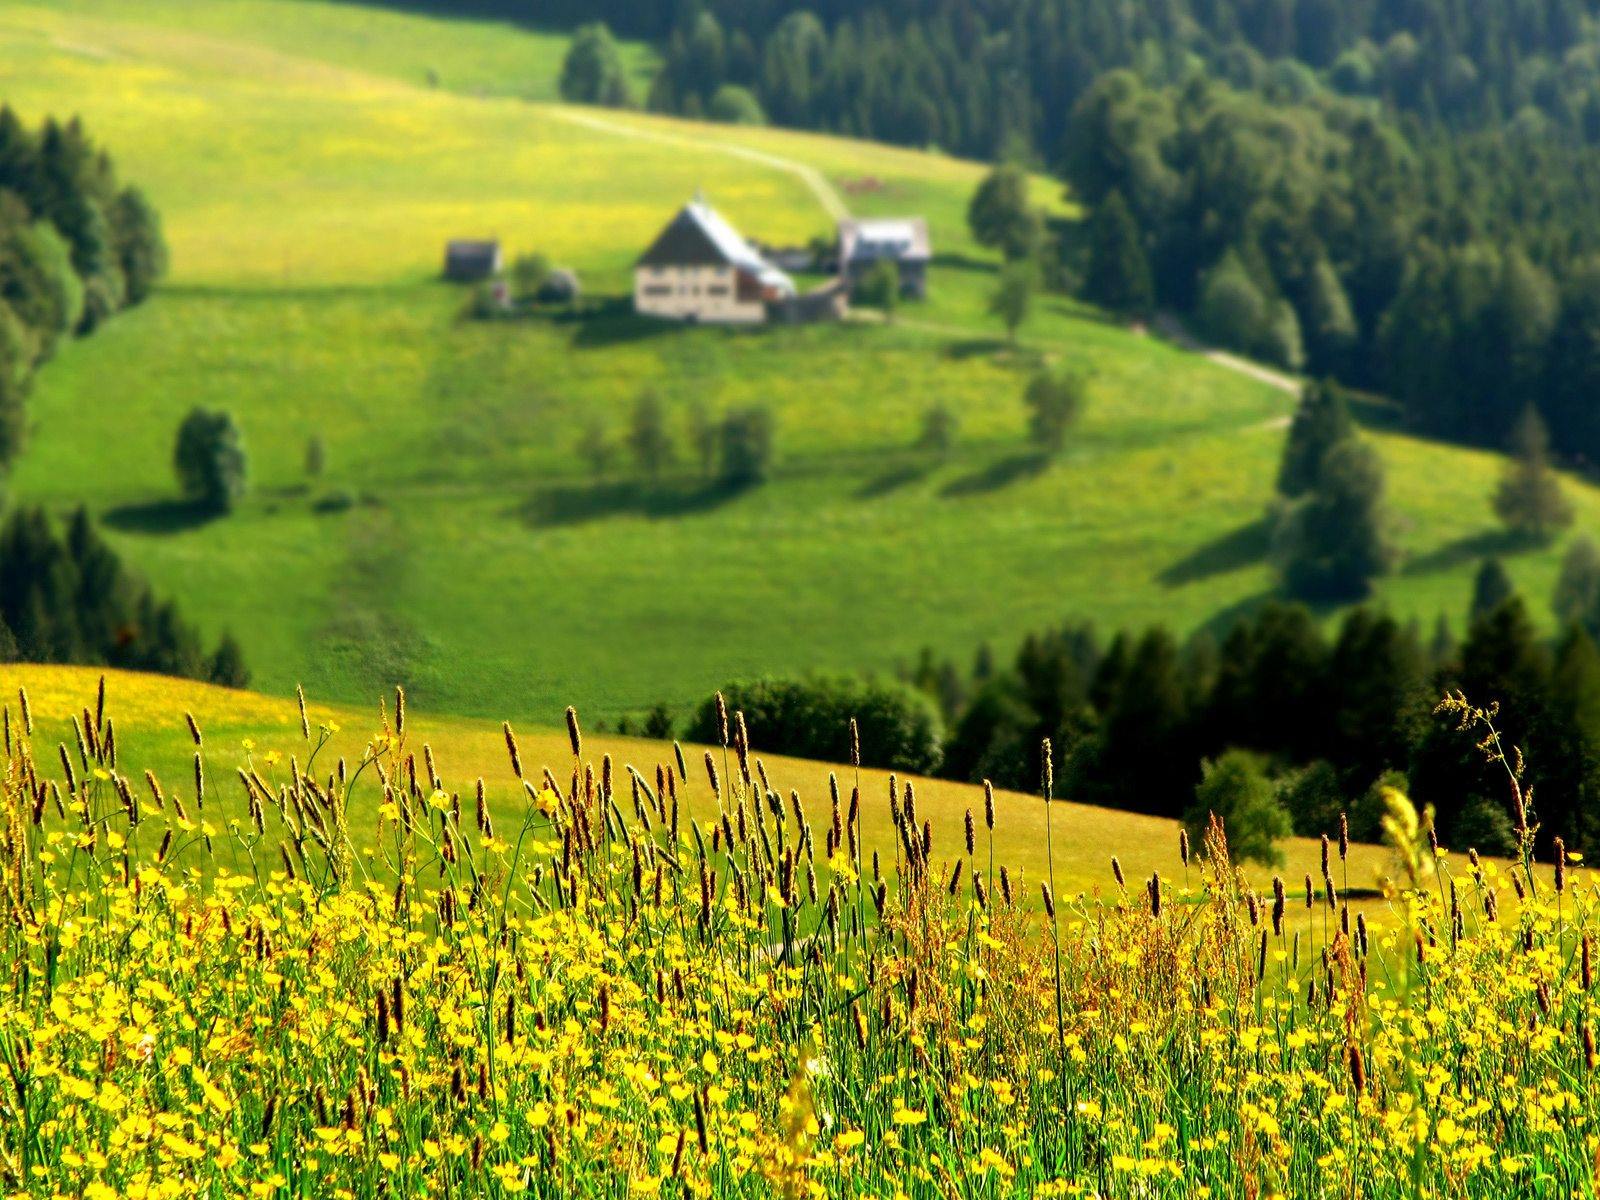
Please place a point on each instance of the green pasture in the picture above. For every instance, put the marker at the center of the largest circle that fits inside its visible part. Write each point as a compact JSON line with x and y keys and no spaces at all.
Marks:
{"x":457,"y":542}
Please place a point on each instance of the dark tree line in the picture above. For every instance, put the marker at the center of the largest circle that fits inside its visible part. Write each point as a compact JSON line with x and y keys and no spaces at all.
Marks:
{"x":65,"y":597}
{"x":1133,"y":719}
{"x":76,"y":245}
{"x":976,"y":76}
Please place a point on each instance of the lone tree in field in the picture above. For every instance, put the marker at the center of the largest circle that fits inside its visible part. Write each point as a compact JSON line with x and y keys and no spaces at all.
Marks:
{"x":1491,"y":588}
{"x":1321,"y":422}
{"x":1529,"y":499}
{"x":1236,"y":789}
{"x":1119,"y":270}
{"x":1055,"y":402}
{"x":939,"y":426}
{"x":746,"y":447}
{"x":648,"y":437}
{"x":880,"y":288}
{"x":596,"y":447}
{"x":1334,"y":541}
{"x":316,"y":456}
{"x":1000,"y":216}
{"x":703,"y":436}
{"x":1013,"y":296}
{"x":210,"y":461}
{"x":1577,"y":596}
{"x":593,"y":71}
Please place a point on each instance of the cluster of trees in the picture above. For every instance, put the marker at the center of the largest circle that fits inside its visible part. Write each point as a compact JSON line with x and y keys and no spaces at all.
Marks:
{"x":899,"y":727}
{"x":733,"y":451}
{"x":1459,"y":274}
{"x":1331,"y":527}
{"x":75,"y":246}
{"x":66,"y":597}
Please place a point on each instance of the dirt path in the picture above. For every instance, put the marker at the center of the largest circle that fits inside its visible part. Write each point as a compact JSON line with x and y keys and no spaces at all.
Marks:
{"x":827,"y":195}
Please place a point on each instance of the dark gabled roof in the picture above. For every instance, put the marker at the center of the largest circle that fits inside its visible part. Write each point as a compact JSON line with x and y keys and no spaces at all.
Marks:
{"x":699,"y":237}
{"x":687,"y":242}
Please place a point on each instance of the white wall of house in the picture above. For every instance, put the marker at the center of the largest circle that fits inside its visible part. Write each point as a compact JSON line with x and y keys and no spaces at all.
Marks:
{"x":707,"y":294}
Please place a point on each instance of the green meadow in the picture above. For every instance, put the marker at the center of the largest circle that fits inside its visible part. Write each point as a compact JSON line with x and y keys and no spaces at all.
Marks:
{"x":309,"y":174}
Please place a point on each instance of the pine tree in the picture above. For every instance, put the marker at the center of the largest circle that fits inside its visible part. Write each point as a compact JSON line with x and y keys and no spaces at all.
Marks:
{"x":1577,"y":595}
{"x":1491,"y":588}
{"x":226,"y":666}
{"x":1529,"y":500}
{"x":1321,"y":421}
{"x":1335,"y":541}
{"x":1119,"y":270}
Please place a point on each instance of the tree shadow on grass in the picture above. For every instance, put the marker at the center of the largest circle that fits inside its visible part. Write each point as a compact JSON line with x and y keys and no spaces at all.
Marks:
{"x":159,"y":517}
{"x":1233,"y":551}
{"x":1014,"y":468}
{"x":977,"y":347}
{"x":893,"y":480}
{"x":578,"y":504}
{"x":1485,"y":544}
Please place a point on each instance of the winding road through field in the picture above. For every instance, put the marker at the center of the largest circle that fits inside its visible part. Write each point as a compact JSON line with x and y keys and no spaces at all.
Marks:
{"x":827,"y":195}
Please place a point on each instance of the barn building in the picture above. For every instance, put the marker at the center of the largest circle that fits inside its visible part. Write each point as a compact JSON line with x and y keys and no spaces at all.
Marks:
{"x":700,"y":269}
{"x":902,"y":240}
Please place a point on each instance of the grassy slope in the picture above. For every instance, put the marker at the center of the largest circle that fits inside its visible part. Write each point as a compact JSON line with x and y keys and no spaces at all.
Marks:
{"x":147,"y":712}
{"x":307,"y":205}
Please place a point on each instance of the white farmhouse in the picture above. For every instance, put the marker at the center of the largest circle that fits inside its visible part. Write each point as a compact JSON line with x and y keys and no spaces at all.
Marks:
{"x":700,"y":269}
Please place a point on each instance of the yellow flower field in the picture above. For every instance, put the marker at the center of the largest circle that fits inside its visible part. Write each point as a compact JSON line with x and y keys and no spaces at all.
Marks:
{"x":593,"y":992}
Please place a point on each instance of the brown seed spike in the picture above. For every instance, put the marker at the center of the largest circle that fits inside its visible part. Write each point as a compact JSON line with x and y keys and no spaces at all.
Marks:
{"x":574,"y":734}
{"x":399,"y":711}
{"x":1049,"y":901}
{"x":1047,"y":770}
{"x":855,"y":743}
{"x":1358,"y":1069}
{"x":511,"y":748}
{"x":988,"y":805}
{"x":722,"y":720}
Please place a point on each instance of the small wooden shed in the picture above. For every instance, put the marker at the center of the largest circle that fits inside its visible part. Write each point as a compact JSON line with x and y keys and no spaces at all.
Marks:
{"x":467,"y":261}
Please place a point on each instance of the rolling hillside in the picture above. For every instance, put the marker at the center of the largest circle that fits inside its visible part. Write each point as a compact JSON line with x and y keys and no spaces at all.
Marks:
{"x":237,"y":726}
{"x":309,"y":176}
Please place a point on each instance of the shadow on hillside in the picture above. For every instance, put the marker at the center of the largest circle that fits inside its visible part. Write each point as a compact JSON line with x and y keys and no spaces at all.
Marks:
{"x":1469,"y":549}
{"x":893,"y":480}
{"x":1014,"y":468}
{"x":158,"y":517}
{"x":965,"y":262}
{"x":577,"y":504}
{"x":1233,"y":551}
{"x":978,"y":347}
{"x":613,"y":325}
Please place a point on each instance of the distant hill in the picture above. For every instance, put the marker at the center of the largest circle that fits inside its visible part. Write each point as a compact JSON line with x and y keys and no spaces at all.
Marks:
{"x":309,"y":177}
